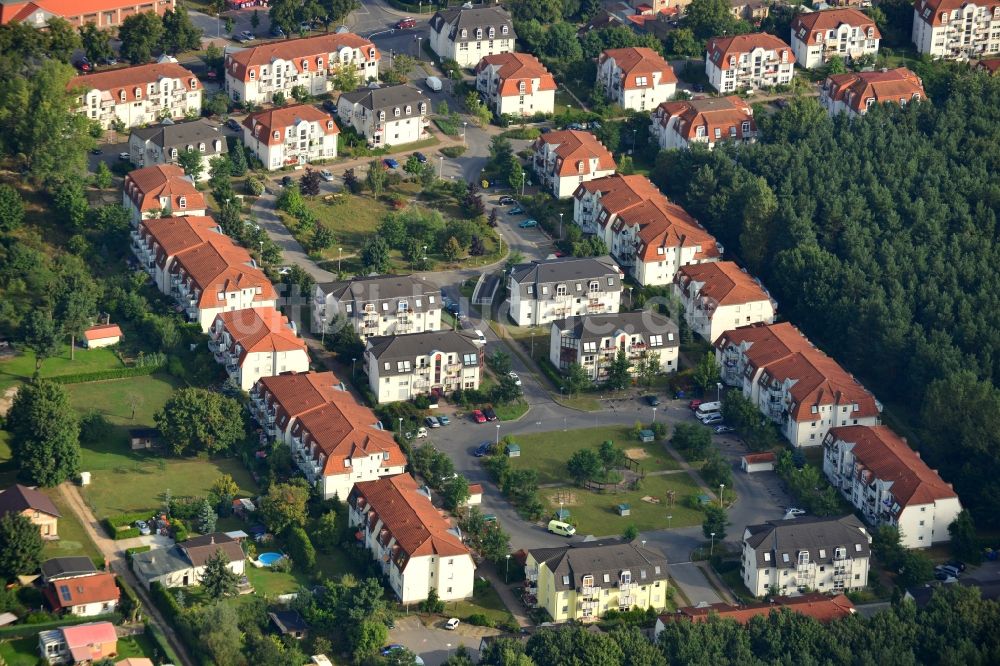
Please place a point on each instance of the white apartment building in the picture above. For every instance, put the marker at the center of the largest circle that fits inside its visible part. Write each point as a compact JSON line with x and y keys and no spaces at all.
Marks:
{"x":888,"y":482}
{"x":255,"y":74}
{"x":748,"y":62}
{"x":467,"y":34}
{"x":161,"y":144}
{"x":414,"y":545}
{"x":161,"y":191}
{"x":545,"y":291}
{"x":593,"y":342}
{"x":401,"y":367}
{"x":138,"y":95}
{"x":708,"y":121}
{"x":564,"y":159}
{"x":956,"y":29}
{"x":794,"y":384}
{"x":256,"y":342}
{"x":516,"y":84}
{"x":795,"y":556}
{"x":335,"y":441}
{"x":856,"y":92}
{"x":844,"y":32}
{"x":291,"y":135}
{"x":636,"y":77}
{"x":382,"y":305}
{"x":388,"y":116}
{"x":207,"y":273}
{"x":719,"y":296}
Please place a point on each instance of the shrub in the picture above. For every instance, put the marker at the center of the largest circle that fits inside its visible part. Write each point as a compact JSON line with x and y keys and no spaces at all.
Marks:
{"x":301,"y":549}
{"x":101,"y":375}
{"x":129,"y":552}
{"x":453,"y":151}
{"x":479,"y":620}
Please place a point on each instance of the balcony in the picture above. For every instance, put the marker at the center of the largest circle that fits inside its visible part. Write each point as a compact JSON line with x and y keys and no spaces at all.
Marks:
{"x":590,"y":591}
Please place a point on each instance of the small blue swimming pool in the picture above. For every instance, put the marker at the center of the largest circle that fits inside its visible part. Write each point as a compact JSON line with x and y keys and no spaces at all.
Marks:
{"x":267,"y":559}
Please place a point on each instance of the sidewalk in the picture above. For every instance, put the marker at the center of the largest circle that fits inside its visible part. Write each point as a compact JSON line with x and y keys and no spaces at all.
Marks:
{"x":507,"y":595}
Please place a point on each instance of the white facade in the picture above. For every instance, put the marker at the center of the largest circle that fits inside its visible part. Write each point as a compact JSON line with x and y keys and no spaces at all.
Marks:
{"x":390,"y":305}
{"x":293,"y":135}
{"x":719,"y":296}
{"x":678,"y":125}
{"x":818,"y":36}
{"x":390,"y":123}
{"x":404,"y":366}
{"x":749,"y":62}
{"x":593,"y":343}
{"x":844,"y":573}
{"x":516,"y":84}
{"x":547,"y":291}
{"x":563,"y":160}
{"x":257,"y":343}
{"x":144,"y":152}
{"x":138,"y":95}
{"x":954,"y":31}
{"x":468,"y":35}
{"x":636,"y":78}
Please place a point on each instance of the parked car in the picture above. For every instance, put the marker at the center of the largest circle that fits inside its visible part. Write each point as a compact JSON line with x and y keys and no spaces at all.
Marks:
{"x":483,"y":449}
{"x":489,"y":414}
{"x":452,"y":624}
{"x":956,"y":564}
{"x":513,"y":375}
{"x":390,"y":163}
{"x":516,"y":210}
{"x":432,"y":422}
{"x":478,"y":338}
{"x":944,"y":577}
{"x":326,"y":175}
{"x":124,"y":157}
{"x":544,"y":130}
{"x":233,"y":124}
{"x":110,"y":61}
{"x":143,"y":527}
{"x":794,"y":511}
{"x":305,"y":27}
{"x":561,"y":528}
{"x":329,"y":106}
{"x":247,"y":36}
{"x":528,"y":224}
{"x":478,"y":416}
{"x":421,"y":433}
{"x":723,"y":429}
{"x":951,"y":571}
{"x":96,"y":151}
{"x":653,"y":400}
{"x":506,"y":200}
{"x":694,"y":405}
{"x":83,"y":65}
{"x":420,"y":157}
{"x":454,"y":309}
{"x":408,"y":22}
{"x":388,"y":649}
{"x":276,"y":31}
{"x":711,"y":419}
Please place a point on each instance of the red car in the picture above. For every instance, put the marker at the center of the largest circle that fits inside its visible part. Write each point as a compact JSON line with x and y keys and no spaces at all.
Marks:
{"x":408,"y":22}
{"x":694,"y":404}
{"x":478,"y":416}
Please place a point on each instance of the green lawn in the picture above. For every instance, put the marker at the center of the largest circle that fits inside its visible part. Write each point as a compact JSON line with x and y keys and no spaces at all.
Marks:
{"x":548,"y":452}
{"x":73,"y":538}
{"x":8,"y":471}
{"x":597,"y":514}
{"x":270,"y":584}
{"x":485,"y":601}
{"x":22,"y":367}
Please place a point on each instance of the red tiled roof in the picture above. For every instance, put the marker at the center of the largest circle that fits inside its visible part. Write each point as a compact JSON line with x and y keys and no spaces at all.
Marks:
{"x":82,"y":590}
{"x":619,"y":192}
{"x":639,"y":61}
{"x":768,"y":343}
{"x":92,"y":633}
{"x":19,"y":11}
{"x":296,"y":393}
{"x":712,"y":113}
{"x":258,"y":330}
{"x":939,"y":7}
{"x":831,"y":19}
{"x":574,"y":146}
{"x":720,"y":48}
{"x":889,"y":458}
{"x":239,"y":64}
{"x":752,"y":458}
{"x":222,"y":266}
{"x":855,"y":89}
{"x":409,"y":517}
{"x":475,"y":489}
{"x":176,"y":234}
{"x":102,"y":332}
{"x":671,"y":226}
{"x":722,"y":282}
{"x":513,"y":68}
{"x":114,"y":82}
{"x":991,"y":65}
{"x":276,"y":120}
{"x":815,"y":605}
{"x":819,"y":380}
{"x":148,"y":185}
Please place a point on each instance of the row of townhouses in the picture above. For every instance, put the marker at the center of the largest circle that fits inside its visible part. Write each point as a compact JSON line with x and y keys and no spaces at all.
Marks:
{"x":103,"y":14}
{"x":138,"y":95}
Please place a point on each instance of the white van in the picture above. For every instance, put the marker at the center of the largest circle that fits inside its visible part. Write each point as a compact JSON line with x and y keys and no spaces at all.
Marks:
{"x":478,"y":338}
{"x":559,"y":527}
{"x":434,"y":83}
{"x":706,"y":408}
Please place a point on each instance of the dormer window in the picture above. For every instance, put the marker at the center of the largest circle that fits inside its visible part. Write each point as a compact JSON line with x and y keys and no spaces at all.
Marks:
{"x":193,"y":83}
{"x":138,"y":93}
{"x":871,"y":33}
{"x":122,"y":96}
{"x":819,"y":36}
{"x":409,"y":109}
{"x":522,"y":87}
{"x":869,"y":102}
{"x":173,"y":153}
{"x":746,"y":127}
{"x":381,"y":116}
{"x":182,"y":202}
{"x":319,"y":63}
{"x":252,"y":75}
{"x":305,"y":65}
{"x":700,"y":131}
{"x":329,"y":124}
{"x":395,"y":112}
{"x":492,"y":32}
{"x":277,"y":134}
{"x":465,"y":33}
{"x":503,"y":30}
{"x":218,"y":146}
{"x":201,"y":147}
{"x":479,"y":33}
{"x":579,"y":166}
{"x":423,"y":108}
{"x":371,"y":54}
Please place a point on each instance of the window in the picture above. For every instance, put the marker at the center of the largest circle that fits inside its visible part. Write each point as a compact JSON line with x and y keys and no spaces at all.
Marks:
{"x":319,"y":63}
{"x":470,"y":359}
{"x":560,"y":290}
{"x":626,"y":578}
{"x":395,"y":112}
{"x":409,"y":109}
{"x":700,"y":132}
{"x":182,"y":202}
{"x":503,"y":30}
{"x":492,"y":32}
{"x":611,"y":282}
{"x":804,"y":557}
{"x":305,"y":65}
{"x":253,"y":74}
{"x":718,"y":133}
{"x":465,"y":33}
{"x":565,"y":580}
{"x":590,"y":346}
{"x":641,"y":80}
{"x":784,"y":558}
{"x":588,"y":581}
{"x":857,"y":548}
{"x":822,"y":554}
{"x":479,"y":33}
{"x":655,"y":340}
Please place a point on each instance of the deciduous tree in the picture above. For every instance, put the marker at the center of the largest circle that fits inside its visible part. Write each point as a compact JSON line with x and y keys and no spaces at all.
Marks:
{"x":716,"y":521}
{"x":140,"y":35}
{"x":96,"y":43}
{"x":45,"y":433}
{"x":284,"y":505}
{"x":41,"y":334}
{"x":20,"y":546}
{"x":195,"y":419}
{"x":190,"y":159}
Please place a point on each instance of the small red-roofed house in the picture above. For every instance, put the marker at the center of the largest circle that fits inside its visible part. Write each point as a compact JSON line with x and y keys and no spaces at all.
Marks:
{"x":989,"y":65}
{"x":820,"y":607}
{"x":636,"y":77}
{"x":516,"y":83}
{"x":758,"y":462}
{"x":102,"y":335}
{"x":719,"y":296}
{"x":79,"y":644}
{"x":257,"y":342}
{"x":475,"y":494}
{"x":84,"y":596}
{"x":288,"y":135}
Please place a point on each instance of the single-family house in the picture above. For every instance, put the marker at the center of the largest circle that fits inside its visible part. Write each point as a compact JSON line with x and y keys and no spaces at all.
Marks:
{"x":34,"y":505}
{"x":84,"y":596}
{"x":78,"y":645}
{"x":183,"y":563}
{"x":61,"y":568}
{"x":101,"y":335}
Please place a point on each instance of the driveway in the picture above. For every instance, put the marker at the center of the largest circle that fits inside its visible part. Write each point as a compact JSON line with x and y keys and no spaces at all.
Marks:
{"x":692,"y":582}
{"x":433,"y":644}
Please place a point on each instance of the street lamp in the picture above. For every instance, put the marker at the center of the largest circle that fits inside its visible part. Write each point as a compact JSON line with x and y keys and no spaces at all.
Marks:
{"x":711,"y":549}
{"x":441,"y":167}
{"x":401,"y":427}
{"x":418,"y":47}
{"x":654,"y":414}
{"x":722,"y":489}
{"x":340,"y":255}
{"x":465,"y":126}
{"x":353,"y":373}
{"x":718,"y":391}
{"x":670,"y":519}
{"x":633,"y":139}
{"x":498,"y":434}
{"x":322,"y":337}
{"x":629,"y":297}
{"x":560,"y":226}
{"x":506,"y":573}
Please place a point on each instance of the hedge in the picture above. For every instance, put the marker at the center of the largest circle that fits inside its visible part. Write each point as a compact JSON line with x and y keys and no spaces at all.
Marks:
{"x":159,"y":639}
{"x":129,"y":552}
{"x":165,"y":601}
{"x":121,"y":526}
{"x":130,"y":606}
{"x":100,"y":375}
{"x":25,"y":630}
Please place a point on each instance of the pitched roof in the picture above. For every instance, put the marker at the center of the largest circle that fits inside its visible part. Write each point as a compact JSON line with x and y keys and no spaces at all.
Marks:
{"x":20,"y":498}
{"x":566,"y":269}
{"x":388,"y":98}
{"x":513,"y":68}
{"x":752,"y":458}
{"x":725,"y":114}
{"x":611,"y":557}
{"x":296,"y":393}
{"x":67,"y":567}
{"x":278,"y":119}
{"x":259,"y":330}
{"x":134,"y":661}
{"x":572,"y":147}
{"x":990,"y":65}
{"x":92,"y":633}
{"x":414,"y":290}
{"x":475,"y":489}
{"x":820,"y":380}
{"x":472,"y":18}
{"x":102,"y":332}
{"x":390,"y":347}
{"x":721,"y":283}
{"x":642,"y":322}
{"x":766,"y":343}
{"x":856,"y":88}
{"x":219,"y":267}
{"x":939,"y":7}
{"x":343,"y":429}
{"x":115,"y":82}
{"x":830,"y":19}
{"x":174,"y":235}
{"x":618,"y":192}
{"x":83,"y":590}
{"x":815,"y":605}
{"x":240,"y":63}
{"x":148,"y":185}
{"x":408,"y":516}
{"x":721,"y":48}
{"x":784,"y":539}
{"x":887,"y":457}
{"x":639,"y":61}
{"x":200,"y":549}
{"x":182,"y":135}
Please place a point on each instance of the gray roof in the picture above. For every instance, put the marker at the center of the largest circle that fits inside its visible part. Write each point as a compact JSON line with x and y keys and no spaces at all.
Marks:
{"x":609,"y":557}
{"x":569,"y":271}
{"x":599,"y":326}
{"x":199,"y":549}
{"x":388,"y":98}
{"x":181,"y":135}
{"x":388,"y":348}
{"x":159,"y":562}
{"x":191,"y":553}
{"x":67,"y":567}
{"x":790,"y":537}
{"x":385,"y":288}
{"x":484,"y":16}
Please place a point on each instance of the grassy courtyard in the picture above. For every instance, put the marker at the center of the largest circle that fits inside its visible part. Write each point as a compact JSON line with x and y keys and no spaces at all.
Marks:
{"x":21,"y":367}
{"x":548,"y":452}
{"x":73,"y":538}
